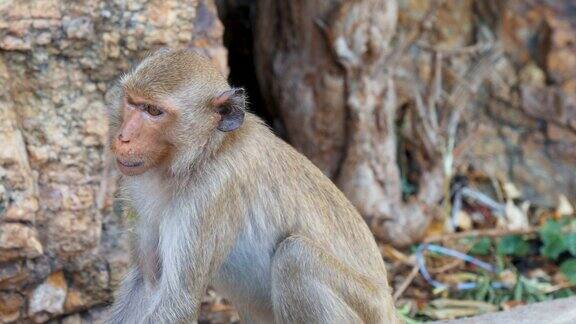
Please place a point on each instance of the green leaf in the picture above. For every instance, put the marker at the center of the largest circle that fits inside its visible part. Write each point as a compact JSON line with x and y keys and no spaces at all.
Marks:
{"x":552,"y":249}
{"x":551,"y":236}
{"x":481,"y":247}
{"x":568,"y":268}
{"x":483,"y":285}
{"x":570,"y":240}
{"x":512,"y":245}
{"x":563,"y":293}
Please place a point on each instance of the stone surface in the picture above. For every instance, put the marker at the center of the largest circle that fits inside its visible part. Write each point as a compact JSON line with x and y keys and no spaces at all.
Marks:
{"x":10,"y":306}
{"x":18,"y":241}
{"x":48,"y":298}
{"x":61,"y":246}
{"x":522,"y":127}
{"x":72,"y":319}
{"x":533,"y":116}
{"x":560,"y":311}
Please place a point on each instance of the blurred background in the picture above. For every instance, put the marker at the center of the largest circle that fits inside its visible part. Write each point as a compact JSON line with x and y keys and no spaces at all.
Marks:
{"x":450,"y":123}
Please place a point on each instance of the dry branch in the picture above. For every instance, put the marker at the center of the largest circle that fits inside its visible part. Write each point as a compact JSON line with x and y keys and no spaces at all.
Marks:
{"x":406,"y":283}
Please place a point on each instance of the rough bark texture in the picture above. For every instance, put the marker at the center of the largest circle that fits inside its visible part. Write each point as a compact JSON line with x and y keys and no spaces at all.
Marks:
{"x":381,"y":120}
{"x":61,"y":250}
{"x":324,"y":66}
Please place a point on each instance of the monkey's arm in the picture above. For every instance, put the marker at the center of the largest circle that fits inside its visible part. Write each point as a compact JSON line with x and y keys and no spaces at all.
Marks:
{"x":130,"y":299}
{"x":190,"y":252}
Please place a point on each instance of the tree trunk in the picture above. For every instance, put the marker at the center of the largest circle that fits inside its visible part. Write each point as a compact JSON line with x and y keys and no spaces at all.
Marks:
{"x":325,"y":66}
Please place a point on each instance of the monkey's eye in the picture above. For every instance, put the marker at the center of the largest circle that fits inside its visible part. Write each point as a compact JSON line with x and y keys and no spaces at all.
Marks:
{"x":152,"y":110}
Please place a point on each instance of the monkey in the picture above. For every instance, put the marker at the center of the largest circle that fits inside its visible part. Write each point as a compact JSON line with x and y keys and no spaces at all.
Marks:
{"x":222,"y":201}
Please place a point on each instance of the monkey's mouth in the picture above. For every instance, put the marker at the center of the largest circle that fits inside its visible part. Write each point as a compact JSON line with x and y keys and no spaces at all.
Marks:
{"x":130,"y":164}
{"x":130,"y":168}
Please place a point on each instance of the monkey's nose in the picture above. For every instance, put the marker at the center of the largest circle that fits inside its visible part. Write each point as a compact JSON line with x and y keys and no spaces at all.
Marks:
{"x":123,"y":139}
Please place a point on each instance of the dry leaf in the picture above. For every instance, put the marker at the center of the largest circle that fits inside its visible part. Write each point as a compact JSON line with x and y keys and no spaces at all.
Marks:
{"x":538,"y":273}
{"x":511,"y":191}
{"x":458,"y":277}
{"x":444,"y":308}
{"x":507,"y":305}
{"x":564,"y":207}
{"x":389,"y":252}
{"x":463,"y":220}
{"x":515,"y":218}
{"x":436,"y":228}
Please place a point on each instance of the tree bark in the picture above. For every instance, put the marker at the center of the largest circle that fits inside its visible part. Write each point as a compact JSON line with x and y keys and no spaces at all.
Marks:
{"x":324,"y":66}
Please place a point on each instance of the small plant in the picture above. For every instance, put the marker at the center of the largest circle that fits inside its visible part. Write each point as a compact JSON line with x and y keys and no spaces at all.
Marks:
{"x":526,"y":267}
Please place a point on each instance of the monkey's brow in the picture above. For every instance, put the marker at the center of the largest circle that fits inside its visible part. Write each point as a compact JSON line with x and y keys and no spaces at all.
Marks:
{"x":149,"y":90}
{"x":135,"y":100}
{"x":136,"y":97}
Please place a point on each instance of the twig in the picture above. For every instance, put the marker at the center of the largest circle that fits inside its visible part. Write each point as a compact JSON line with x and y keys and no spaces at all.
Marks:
{"x":484,"y":200}
{"x":447,"y":267}
{"x":406,"y":283}
{"x":466,"y":50}
{"x":454,"y":254}
{"x":493,"y":232}
{"x":456,"y":207}
{"x":436,"y":91}
{"x":467,"y":87}
{"x":413,"y":36}
{"x":429,"y":132}
{"x":559,"y":287}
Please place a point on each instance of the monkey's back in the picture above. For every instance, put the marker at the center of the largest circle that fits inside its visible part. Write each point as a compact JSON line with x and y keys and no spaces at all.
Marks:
{"x":299,"y":195}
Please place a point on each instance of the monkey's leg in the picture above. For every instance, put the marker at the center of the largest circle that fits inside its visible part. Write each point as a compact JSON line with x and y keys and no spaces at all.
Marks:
{"x":309,"y":285}
{"x":130,"y":300}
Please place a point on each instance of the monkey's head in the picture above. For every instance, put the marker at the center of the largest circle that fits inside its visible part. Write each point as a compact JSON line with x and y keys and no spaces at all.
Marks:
{"x":172,"y":107}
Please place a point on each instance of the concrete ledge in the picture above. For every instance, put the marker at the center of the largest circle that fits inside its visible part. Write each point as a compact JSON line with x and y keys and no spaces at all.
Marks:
{"x":559,"y":311}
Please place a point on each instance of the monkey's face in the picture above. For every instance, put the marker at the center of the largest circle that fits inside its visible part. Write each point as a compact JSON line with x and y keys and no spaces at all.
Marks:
{"x":174,"y":106}
{"x":141,"y":141}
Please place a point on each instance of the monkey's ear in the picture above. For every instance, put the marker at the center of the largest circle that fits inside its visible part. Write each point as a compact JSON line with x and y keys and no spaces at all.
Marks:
{"x":230,"y":105}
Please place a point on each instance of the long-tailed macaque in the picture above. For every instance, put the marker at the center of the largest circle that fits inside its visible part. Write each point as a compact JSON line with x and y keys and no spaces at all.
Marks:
{"x":221,"y":201}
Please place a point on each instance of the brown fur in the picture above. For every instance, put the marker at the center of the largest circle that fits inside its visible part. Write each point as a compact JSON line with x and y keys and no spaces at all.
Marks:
{"x":240,"y":210}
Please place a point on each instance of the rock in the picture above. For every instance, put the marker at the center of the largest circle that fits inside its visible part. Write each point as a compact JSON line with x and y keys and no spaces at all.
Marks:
{"x":24,"y":211}
{"x":11,"y":275}
{"x":524,"y":126}
{"x":74,"y":301}
{"x":48,"y":9}
{"x":560,"y":311}
{"x":18,"y":241}
{"x":48,"y":298}
{"x":454,"y":20}
{"x":11,"y":43}
{"x":58,"y":62}
{"x":10,"y":306}
{"x":73,"y":233}
{"x":72,"y":319}
{"x":96,"y":315}
{"x":78,"y":27}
